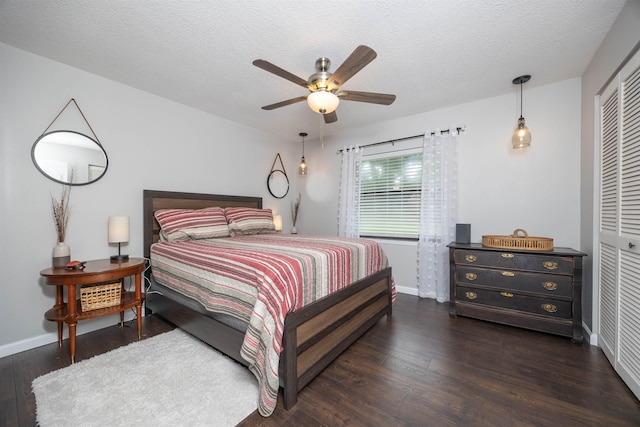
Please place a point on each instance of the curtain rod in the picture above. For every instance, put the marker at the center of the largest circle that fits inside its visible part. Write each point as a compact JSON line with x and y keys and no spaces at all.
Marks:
{"x":393,"y":141}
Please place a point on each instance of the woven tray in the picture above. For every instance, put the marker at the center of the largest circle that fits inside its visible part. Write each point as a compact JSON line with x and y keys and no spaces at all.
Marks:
{"x":517,"y":241}
{"x":100,"y":296}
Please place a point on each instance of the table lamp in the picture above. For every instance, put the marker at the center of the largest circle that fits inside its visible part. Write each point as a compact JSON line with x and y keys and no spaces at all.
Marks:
{"x":119,"y":233}
{"x":277,"y":222}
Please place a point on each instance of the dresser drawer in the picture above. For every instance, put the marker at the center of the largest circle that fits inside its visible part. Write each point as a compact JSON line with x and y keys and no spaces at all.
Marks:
{"x":529,"y":304}
{"x":515,"y":261}
{"x":548,"y":285}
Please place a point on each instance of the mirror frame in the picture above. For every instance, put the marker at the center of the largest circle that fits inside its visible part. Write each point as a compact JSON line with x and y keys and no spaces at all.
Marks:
{"x":271,"y":190}
{"x":33,"y":158}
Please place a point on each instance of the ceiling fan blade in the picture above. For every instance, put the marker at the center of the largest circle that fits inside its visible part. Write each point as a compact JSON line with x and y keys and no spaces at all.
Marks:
{"x":284,"y":103}
{"x":330,"y":117}
{"x":358,"y":59}
{"x":268,"y":66}
{"x":371,"y":97}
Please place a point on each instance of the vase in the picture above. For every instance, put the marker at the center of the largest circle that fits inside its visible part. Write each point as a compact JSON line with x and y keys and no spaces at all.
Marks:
{"x":61,"y":255}
{"x":294,"y":230}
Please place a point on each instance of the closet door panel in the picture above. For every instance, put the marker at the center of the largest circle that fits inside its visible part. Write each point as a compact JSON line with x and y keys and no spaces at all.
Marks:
{"x":628,"y":355}
{"x":630,"y":160}
{"x":609,"y":220}
{"x":608,"y":300}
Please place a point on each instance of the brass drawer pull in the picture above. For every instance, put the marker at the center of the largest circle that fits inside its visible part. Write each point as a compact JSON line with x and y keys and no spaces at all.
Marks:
{"x":550,"y":265}
{"x":471,"y":276}
{"x":550,"y":286}
{"x":507,"y":255}
{"x":506,"y":294}
{"x":471,"y":258}
{"x":471,"y":295}
{"x":508,"y":273}
{"x":549,"y":308}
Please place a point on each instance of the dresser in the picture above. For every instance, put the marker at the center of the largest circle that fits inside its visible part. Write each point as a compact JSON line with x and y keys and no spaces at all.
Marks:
{"x":529,"y":289}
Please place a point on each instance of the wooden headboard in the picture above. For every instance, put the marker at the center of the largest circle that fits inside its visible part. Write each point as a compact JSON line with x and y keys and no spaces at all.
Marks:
{"x":154,"y":200}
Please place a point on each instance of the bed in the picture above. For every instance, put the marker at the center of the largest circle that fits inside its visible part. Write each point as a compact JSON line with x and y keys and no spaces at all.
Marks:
{"x":312,"y":336}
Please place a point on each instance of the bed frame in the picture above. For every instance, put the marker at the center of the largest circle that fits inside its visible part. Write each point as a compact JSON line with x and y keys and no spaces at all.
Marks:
{"x":314,"y":336}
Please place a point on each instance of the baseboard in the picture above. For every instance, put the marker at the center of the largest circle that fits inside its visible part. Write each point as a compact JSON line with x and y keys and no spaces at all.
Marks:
{"x":593,"y":338}
{"x":40,"y":340}
{"x":407,"y":290}
{"x":28,"y":344}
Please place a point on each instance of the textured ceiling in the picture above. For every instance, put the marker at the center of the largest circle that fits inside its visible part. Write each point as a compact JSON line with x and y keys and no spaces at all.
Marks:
{"x":431,"y":53}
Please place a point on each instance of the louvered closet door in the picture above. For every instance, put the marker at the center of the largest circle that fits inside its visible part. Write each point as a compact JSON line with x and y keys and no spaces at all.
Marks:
{"x":609,"y":171}
{"x":619,"y":237}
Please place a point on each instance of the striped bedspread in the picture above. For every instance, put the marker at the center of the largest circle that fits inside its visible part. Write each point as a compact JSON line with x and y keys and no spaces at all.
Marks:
{"x":261,"y":278}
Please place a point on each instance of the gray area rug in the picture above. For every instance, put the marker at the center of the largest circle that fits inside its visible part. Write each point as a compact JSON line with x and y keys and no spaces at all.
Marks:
{"x":171,"y":379}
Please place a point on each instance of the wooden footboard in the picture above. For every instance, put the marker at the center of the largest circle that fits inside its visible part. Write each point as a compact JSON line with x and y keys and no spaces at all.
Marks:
{"x":316,"y":335}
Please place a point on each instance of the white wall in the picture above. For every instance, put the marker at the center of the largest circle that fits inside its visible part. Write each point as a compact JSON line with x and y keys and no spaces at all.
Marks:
{"x":152,"y":143}
{"x":500,"y":189}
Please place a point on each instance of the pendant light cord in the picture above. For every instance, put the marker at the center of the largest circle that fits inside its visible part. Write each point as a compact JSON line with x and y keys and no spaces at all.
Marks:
{"x":521,"y":80}
{"x":520,"y":99}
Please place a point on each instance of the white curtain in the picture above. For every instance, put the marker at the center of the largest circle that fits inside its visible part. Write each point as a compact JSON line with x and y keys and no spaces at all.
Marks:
{"x":438,"y":213}
{"x":349,"y":200}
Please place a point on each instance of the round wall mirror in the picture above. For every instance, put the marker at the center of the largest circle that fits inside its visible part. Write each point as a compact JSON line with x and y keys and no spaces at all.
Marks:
{"x":278,"y":184}
{"x":69,"y":157}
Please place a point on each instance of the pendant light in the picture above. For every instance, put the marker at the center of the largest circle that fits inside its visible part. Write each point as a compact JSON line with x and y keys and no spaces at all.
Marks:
{"x":302,"y":169}
{"x":522,"y":136}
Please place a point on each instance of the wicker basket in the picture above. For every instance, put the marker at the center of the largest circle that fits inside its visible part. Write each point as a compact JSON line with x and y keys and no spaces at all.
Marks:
{"x":100,"y":296}
{"x":516,"y":241}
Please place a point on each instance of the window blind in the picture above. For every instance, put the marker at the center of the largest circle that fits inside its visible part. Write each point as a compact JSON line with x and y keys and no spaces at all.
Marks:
{"x":390,"y":188}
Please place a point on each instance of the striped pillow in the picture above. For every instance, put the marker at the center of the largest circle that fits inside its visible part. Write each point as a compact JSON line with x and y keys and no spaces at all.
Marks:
{"x":191,"y":224}
{"x":249,"y":221}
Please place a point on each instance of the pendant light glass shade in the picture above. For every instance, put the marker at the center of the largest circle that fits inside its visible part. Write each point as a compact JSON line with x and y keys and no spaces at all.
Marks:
{"x":302,"y":168}
{"x":521,"y":136}
{"x":323,"y":102}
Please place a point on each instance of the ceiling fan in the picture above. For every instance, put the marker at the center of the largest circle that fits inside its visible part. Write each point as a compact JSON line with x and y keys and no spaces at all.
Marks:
{"x":323,"y":86}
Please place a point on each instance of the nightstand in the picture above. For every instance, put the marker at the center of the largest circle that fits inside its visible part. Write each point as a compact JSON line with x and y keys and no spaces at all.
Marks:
{"x":95,"y":272}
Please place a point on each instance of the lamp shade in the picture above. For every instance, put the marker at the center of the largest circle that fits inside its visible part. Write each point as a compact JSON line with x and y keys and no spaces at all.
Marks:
{"x":323,"y":102}
{"x":118,"y":229}
{"x":277,"y":222}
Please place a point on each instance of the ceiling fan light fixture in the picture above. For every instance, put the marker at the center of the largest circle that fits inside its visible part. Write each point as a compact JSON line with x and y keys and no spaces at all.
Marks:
{"x":323,"y":102}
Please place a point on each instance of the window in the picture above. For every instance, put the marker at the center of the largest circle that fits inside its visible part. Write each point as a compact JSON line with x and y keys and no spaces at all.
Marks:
{"x":390,"y":195}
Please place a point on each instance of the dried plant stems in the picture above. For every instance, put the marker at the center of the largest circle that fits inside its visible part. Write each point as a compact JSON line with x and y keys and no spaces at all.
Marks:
{"x":295,"y":206}
{"x":61,"y":211}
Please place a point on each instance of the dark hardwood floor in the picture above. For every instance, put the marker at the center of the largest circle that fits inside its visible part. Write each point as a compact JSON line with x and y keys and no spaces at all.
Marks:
{"x":420,"y":368}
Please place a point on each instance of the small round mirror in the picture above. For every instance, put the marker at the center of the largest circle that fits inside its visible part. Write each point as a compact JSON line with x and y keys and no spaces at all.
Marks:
{"x":69,"y":157}
{"x":278,"y":184}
